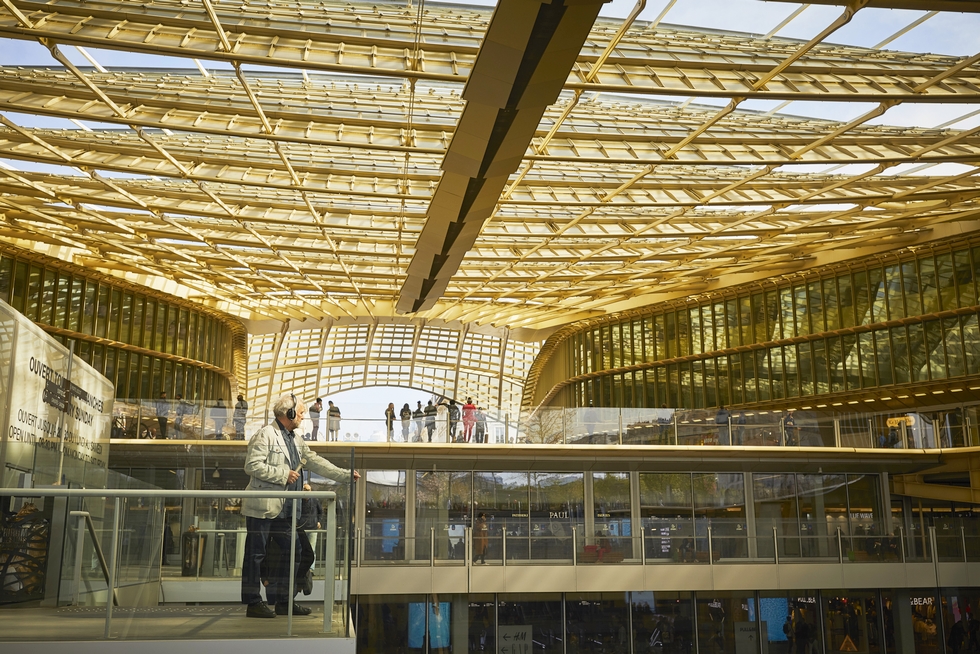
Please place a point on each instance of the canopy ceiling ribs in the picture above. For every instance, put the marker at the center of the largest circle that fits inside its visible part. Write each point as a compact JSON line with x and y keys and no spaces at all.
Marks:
{"x":368,"y":173}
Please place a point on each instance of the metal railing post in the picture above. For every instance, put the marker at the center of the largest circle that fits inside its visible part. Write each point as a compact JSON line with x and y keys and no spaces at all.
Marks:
{"x":935,"y":552}
{"x":574,"y":545}
{"x":775,"y":546}
{"x":468,"y":553}
{"x":711,"y":558}
{"x":111,"y":586}
{"x":79,"y":545}
{"x":963,"y":541}
{"x":329,"y":564}
{"x":620,"y":426}
{"x":506,"y":427}
{"x":292,"y":568}
{"x":676,"y":438}
{"x":503,"y":548}
{"x":643,"y":546}
{"x":432,"y":546}
{"x":840,"y":547}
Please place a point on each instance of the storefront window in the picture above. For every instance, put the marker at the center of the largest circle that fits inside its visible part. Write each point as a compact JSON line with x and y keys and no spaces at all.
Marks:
{"x":384,"y":520}
{"x":597,"y":622}
{"x":442,"y":509}
{"x":727,"y":623}
{"x":662,"y":622}
{"x":383,"y":623}
{"x":961,"y":626}
{"x":667,"y":515}
{"x":851,"y":621}
{"x":776,"y":508}
{"x":719,"y":503}
{"x":556,"y":507}
{"x":790,"y":622}
{"x":503,"y":496}
{"x":482,"y":618}
{"x":543,"y":615}
{"x":611,"y":513}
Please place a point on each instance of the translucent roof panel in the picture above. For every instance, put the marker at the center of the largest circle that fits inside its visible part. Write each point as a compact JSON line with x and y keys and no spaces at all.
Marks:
{"x":338,"y":161}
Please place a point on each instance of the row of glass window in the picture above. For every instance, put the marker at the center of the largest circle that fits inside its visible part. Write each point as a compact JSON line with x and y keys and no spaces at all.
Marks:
{"x":670,"y":622}
{"x":918,"y":352}
{"x":142,"y":376}
{"x":931,"y":283}
{"x":537,"y":512}
{"x":53,"y":297}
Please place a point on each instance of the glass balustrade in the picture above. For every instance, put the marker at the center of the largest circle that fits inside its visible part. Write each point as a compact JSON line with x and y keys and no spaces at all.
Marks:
{"x":119,"y":564}
{"x":188,"y":420}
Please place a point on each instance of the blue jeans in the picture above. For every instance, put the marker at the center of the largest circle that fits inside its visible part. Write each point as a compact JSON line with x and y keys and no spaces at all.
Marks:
{"x":260,"y":533}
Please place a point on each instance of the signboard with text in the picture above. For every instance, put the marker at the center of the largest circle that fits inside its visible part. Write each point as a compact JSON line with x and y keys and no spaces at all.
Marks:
{"x":56,"y":426}
{"x":514,"y":639}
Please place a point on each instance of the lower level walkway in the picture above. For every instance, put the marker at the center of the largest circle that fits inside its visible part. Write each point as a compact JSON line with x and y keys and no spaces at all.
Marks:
{"x":178,"y":622}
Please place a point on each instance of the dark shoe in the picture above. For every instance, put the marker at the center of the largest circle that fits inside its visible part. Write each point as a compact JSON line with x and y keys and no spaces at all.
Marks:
{"x":260,"y":610}
{"x":307,"y":584}
{"x":283,"y":609}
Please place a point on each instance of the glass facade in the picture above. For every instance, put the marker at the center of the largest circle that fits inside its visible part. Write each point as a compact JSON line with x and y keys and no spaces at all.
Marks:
{"x":650,"y":518}
{"x":144,"y":344}
{"x":873,"y":326}
{"x":875,"y":621}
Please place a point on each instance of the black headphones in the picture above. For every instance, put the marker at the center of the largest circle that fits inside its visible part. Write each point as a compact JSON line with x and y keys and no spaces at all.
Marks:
{"x":291,"y":412}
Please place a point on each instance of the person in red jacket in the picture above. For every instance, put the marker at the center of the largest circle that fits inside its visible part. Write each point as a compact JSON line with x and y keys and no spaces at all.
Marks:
{"x":469,"y":419}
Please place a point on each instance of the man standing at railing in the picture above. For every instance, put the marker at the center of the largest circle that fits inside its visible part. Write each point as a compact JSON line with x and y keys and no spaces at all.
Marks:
{"x":721,"y":419}
{"x":240,"y":417}
{"x":274,"y":458}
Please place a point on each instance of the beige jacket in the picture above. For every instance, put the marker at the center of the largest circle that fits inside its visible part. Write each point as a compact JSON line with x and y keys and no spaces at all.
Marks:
{"x":267,"y":463}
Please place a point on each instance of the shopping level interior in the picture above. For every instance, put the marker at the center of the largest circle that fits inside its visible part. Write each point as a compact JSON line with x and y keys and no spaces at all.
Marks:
{"x":605,"y":228}
{"x":577,"y":535}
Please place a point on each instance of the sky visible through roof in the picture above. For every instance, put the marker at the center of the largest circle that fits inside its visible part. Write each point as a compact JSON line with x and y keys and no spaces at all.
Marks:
{"x":948,"y":33}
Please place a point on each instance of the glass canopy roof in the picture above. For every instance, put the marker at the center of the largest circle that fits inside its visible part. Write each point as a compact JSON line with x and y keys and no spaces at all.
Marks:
{"x":281,"y":160}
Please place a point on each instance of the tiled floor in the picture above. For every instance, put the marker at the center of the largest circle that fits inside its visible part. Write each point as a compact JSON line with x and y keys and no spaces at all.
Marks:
{"x":156,"y":623}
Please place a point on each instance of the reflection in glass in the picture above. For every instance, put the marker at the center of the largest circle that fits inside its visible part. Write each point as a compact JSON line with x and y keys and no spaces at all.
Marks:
{"x":556,"y":507}
{"x":726,"y":623}
{"x":667,"y":515}
{"x":611,"y":512}
{"x":543,"y":613}
{"x":851,"y":621}
{"x":384,"y":520}
{"x":443,"y":509}
{"x":790,"y":624}
{"x":662,"y":622}
{"x":597,"y":622}
{"x":503,"y":496}
{"x":719,"y":504}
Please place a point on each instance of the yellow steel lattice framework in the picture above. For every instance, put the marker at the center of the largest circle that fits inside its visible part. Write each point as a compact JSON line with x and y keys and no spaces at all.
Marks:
{"x":489,"y":367}
{"x":301,"y":193}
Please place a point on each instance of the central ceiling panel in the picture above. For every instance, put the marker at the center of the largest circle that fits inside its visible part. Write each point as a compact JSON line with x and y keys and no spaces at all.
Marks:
{"x":526,"y":56}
